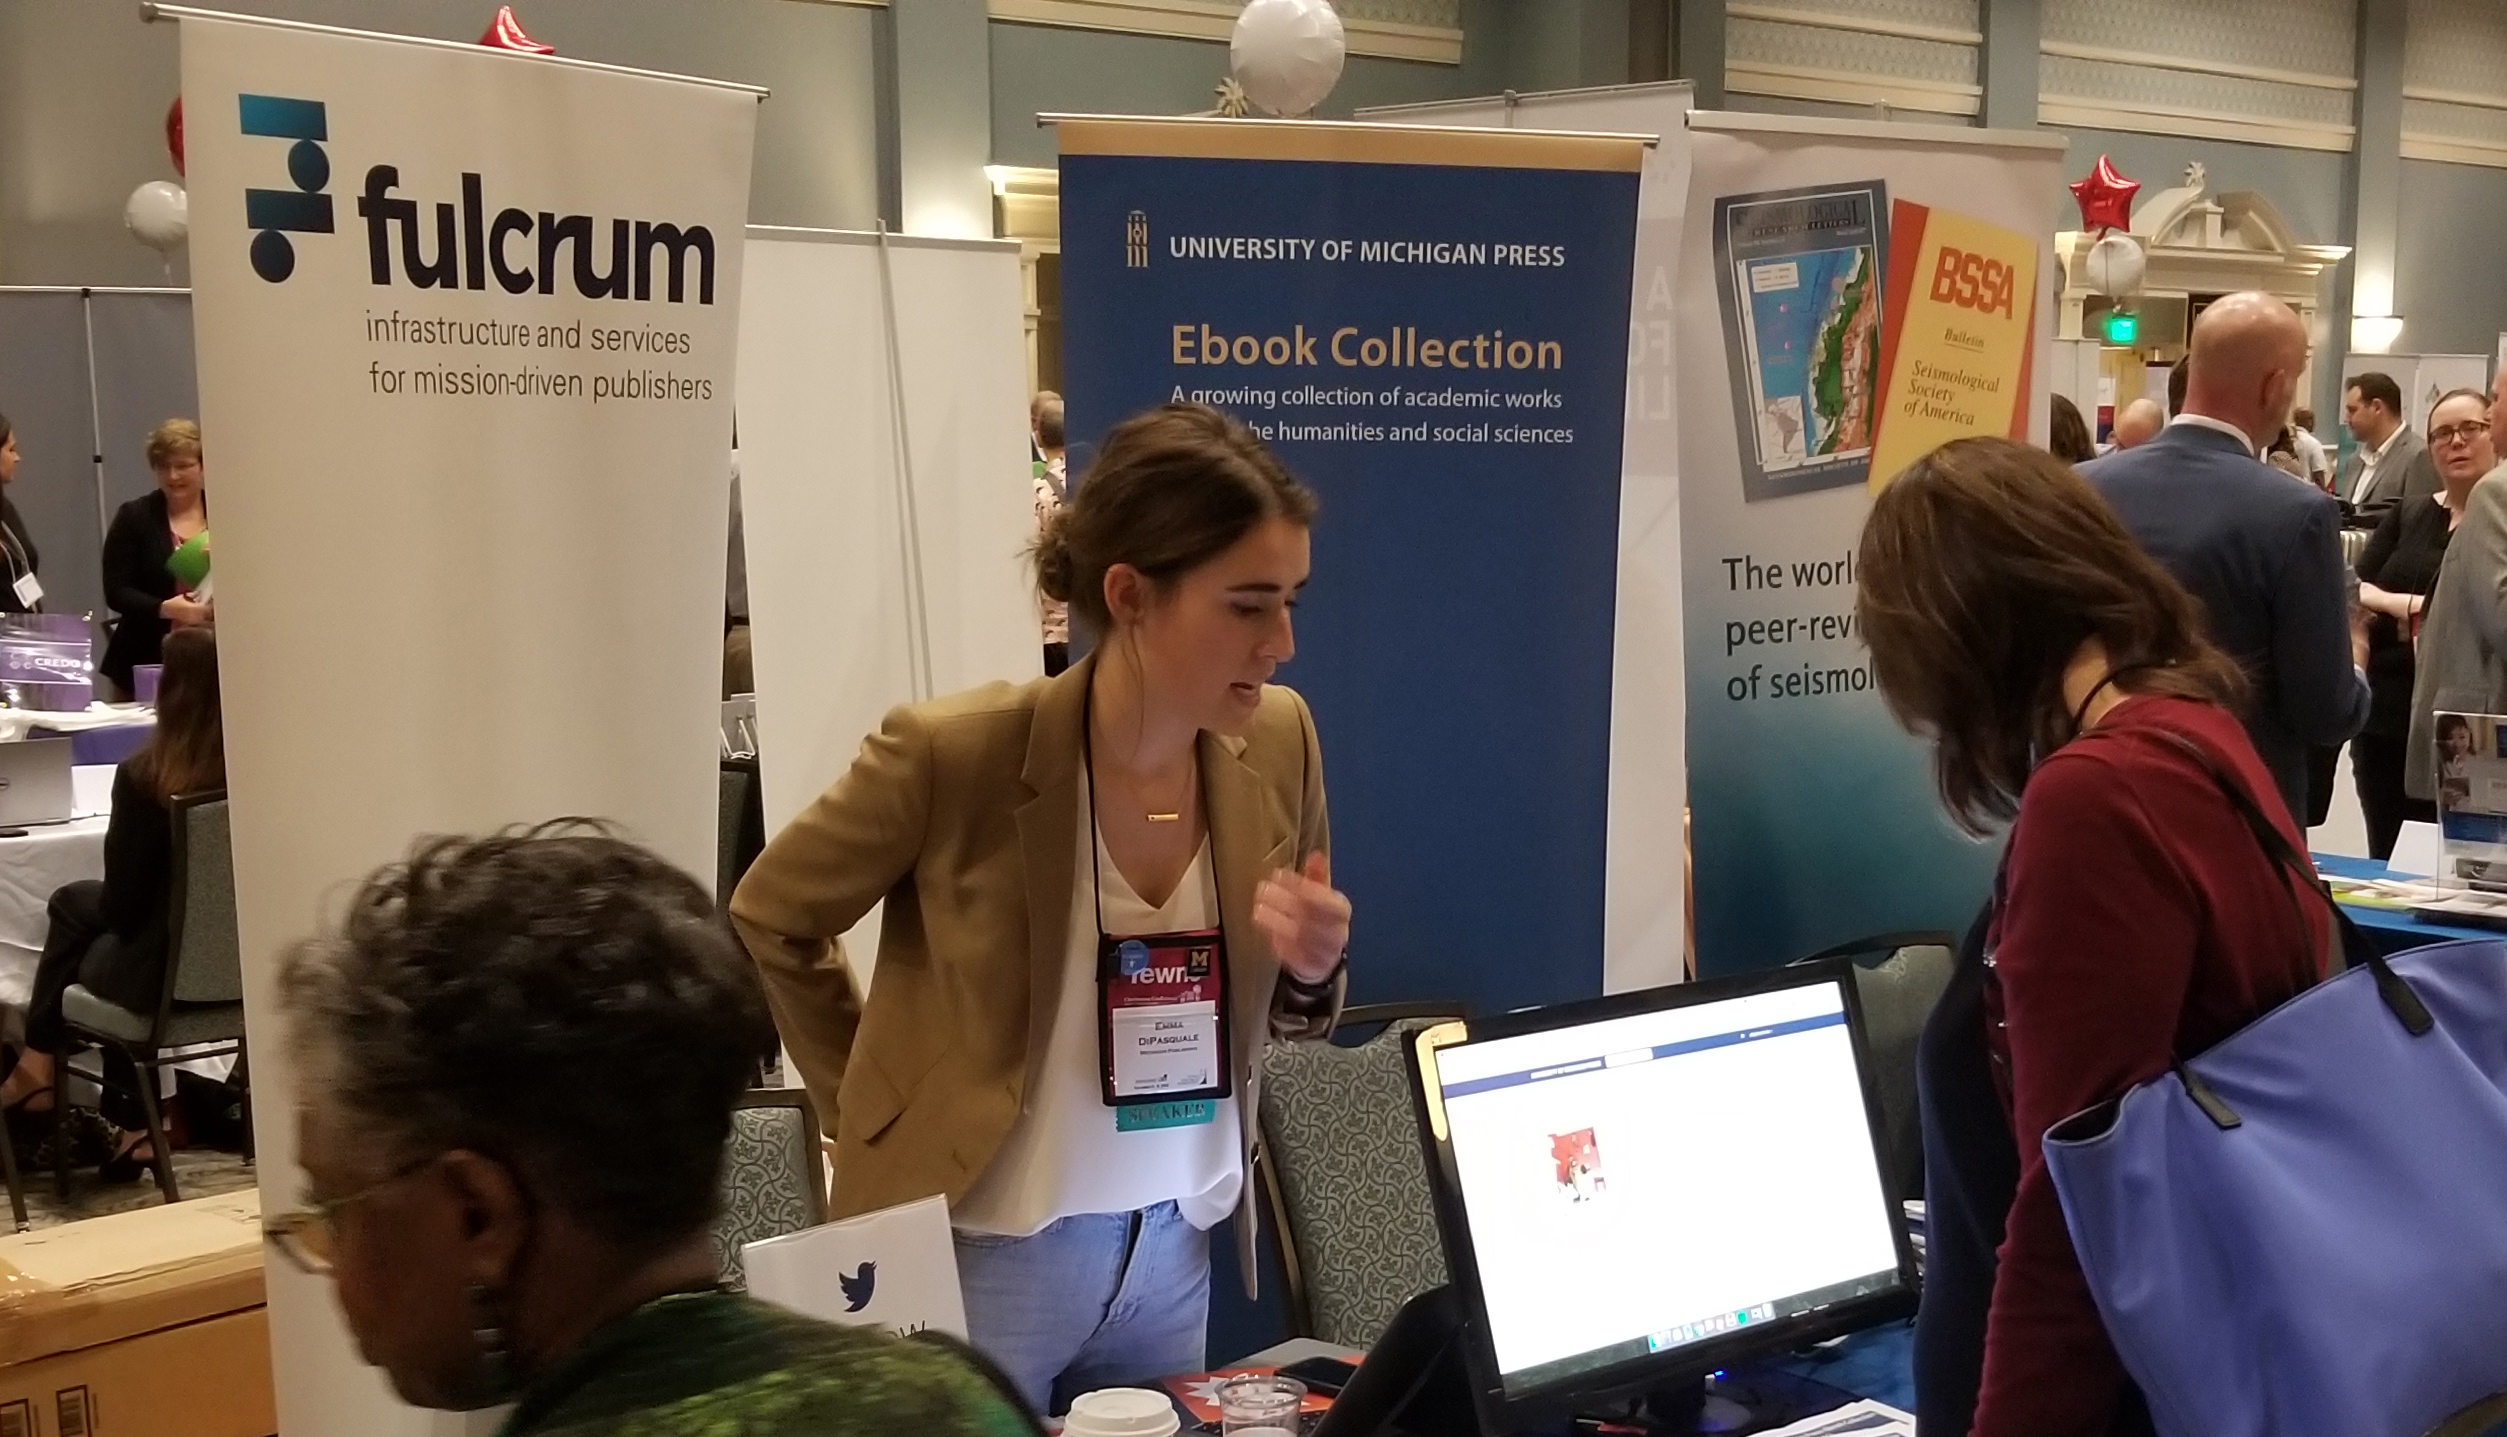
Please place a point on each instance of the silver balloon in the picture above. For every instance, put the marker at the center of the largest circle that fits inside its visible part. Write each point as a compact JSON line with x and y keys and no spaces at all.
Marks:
{"x":2114,"y":266}
{"x":159,"y":213}
{"x":1288,"y":53}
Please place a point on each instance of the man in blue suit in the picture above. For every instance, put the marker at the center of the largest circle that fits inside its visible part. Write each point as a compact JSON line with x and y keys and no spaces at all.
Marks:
{"x":2259,"y":549}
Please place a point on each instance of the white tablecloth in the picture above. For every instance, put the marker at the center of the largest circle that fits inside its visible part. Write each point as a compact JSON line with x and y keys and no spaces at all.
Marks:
{"x":33,"y":865}
{"x":15,"y":722}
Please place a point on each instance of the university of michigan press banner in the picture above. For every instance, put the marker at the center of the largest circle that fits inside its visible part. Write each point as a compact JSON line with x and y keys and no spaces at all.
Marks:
{"x":1431,"y":328}
{"x":466,"y":323}
{"x":1852,"y":296}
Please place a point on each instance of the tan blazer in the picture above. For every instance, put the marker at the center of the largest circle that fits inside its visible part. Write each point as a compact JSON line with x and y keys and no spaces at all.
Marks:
{"x":963,"y":814}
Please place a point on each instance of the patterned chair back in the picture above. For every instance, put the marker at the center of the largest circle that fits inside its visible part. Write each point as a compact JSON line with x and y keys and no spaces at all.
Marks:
{"x":208,"y":956}
{"x":1350,"y":1185}
{"x":773,"y":1177}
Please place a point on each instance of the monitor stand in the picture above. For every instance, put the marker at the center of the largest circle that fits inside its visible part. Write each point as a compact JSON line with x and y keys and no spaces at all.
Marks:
{"x":1691,"y":1408}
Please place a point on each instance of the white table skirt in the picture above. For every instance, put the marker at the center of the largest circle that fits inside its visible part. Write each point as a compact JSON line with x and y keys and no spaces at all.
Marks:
{"x":15,"y":722}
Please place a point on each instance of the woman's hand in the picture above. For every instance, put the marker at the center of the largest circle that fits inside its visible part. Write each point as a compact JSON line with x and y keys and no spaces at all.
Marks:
{"x":2385,"y":601}
{"x":1306,"y":919}
{"x":184,"y":612}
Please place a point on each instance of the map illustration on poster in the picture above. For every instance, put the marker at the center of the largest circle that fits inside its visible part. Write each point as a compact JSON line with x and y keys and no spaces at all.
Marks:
{"x":1800,"y":273}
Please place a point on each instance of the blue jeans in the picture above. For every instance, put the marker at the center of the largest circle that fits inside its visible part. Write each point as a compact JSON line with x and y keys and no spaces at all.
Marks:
{"x":1096,"y":1300}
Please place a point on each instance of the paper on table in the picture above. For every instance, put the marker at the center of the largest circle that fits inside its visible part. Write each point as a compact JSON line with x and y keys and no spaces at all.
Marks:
{"x":2415,"y":851}
{"x":1856,"y":1419}
{"x":91,"y":790}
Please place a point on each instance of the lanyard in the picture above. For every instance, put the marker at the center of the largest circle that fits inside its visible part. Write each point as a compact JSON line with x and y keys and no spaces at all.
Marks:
{"x":1088,"y":767}
{"x":1162,"y":1011}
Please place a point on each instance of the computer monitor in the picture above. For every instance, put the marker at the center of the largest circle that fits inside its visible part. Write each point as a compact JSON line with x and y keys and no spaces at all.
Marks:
{"x":1640,"y":1190}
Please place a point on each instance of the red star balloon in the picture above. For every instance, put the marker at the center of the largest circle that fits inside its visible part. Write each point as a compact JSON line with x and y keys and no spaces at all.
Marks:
{"x":174,"y":133}
{"x":2106,"y":198}
{"x":505,"y":33}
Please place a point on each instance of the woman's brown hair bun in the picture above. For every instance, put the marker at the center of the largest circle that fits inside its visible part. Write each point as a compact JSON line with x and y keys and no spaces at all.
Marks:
{"x":1170,"y":489}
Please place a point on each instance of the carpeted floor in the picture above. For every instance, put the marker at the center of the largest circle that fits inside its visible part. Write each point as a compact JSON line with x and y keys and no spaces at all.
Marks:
{"x":199,"y":1172}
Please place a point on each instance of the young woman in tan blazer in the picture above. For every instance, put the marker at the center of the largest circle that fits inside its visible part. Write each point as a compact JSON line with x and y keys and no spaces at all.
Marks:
{"x":1161,"y":792}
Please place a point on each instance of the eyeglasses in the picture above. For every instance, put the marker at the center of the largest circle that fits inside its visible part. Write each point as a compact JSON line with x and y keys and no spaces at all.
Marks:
{"x":309,"y":1237}
{"x":2458,"y":433}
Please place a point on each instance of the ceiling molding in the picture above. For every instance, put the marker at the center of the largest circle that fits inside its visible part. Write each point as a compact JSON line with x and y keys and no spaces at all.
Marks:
{"x":2455,"y":97}
{"x":2453,"y":149}
{"x":1216,"y":20}
{"x":1859,"y":24}
{"x":1836,"y":87}
{"x":2145,"y":60}
{"x":2193,"y":124}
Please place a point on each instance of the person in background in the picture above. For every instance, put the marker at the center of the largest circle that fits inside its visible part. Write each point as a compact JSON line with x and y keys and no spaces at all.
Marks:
{"x":1045,"y":429}
{"x":20,"y":591}
{"x":1032,"y":844}
{"x":2462,"y":663}
{"x":111,"y":936}
{"x":2389,"y":464}
{"x":2282,"y":454}
{"x":739,"y":661}
{"x":2066,"y":688}
{"x":2262,"y":554}
{"x":2140,"y":423}
{"x":2397,"y":570}
{"x":2311,"y":452}
{"x":2180,"y":375}
{"x":144,"y":535}
{"x":495,"y":1236}
{"x":2067,"y":436}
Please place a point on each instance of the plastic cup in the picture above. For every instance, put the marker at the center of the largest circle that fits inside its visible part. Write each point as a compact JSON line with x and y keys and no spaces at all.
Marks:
{"x":1122,"y":1412}
{"x":1264,"y":1406}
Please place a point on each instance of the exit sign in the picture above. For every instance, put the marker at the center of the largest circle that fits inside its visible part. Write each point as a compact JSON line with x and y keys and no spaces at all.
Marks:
{"x":2123,"y":327}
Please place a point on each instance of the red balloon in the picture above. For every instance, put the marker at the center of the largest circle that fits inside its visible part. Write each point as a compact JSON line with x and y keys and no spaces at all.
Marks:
{"x":2106,"y":198}
{"x":505,"y":33}
{"x":174,"y":134}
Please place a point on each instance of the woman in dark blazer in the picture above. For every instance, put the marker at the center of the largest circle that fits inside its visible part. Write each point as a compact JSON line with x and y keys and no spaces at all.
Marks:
{"x":145,"y":532}
{"x":17,"y":550}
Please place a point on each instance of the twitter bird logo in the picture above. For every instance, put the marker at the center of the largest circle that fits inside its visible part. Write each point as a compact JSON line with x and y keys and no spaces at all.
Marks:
{"x":857,"y":1288}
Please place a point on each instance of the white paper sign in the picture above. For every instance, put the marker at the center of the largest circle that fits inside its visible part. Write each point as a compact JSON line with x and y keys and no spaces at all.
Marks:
{"x":896,"y":1268}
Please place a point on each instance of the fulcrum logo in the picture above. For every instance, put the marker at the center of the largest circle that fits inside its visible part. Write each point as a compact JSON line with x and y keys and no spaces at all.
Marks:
{"x":304,"y":209}
{"x":1136,"y":240}
{"x":475,"y":243}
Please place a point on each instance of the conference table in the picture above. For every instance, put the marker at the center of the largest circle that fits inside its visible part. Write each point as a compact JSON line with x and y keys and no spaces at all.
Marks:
{"x":2392,"y":930}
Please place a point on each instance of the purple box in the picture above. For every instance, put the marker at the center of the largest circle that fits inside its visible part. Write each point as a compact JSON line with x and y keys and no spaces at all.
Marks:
{"x":144,"y":682}
{"x":46,"y":661}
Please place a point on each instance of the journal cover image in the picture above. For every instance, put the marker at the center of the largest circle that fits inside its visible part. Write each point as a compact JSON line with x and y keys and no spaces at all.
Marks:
{"x":1956,"y":350}
{"x":1800,"y":274}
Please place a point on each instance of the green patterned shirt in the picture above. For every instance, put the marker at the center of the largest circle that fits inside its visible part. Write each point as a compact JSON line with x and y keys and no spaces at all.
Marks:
{"x":714,"y":1364}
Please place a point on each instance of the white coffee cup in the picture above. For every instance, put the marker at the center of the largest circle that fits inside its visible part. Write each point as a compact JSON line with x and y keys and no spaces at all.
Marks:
{"x":1122,"y":1412}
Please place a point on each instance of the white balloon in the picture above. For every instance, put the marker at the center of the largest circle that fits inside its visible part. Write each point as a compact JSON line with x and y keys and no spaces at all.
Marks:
{"x":1288,"y":53}
{"x":159,"y":213}
{"x":2114,"y":266}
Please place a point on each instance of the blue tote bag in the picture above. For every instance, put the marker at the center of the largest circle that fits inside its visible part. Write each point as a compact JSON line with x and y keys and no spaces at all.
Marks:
{"x":2303,"y":1231}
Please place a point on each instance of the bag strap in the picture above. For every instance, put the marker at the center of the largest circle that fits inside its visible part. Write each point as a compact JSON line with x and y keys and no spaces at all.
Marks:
{"x":2391,"y":987}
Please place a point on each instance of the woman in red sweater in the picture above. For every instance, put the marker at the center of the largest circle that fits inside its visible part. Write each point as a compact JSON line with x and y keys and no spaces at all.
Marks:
{"x":2059,"y":673}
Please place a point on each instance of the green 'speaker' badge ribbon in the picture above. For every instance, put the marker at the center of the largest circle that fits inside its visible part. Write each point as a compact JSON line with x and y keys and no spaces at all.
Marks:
{"x":1141,"y":1117}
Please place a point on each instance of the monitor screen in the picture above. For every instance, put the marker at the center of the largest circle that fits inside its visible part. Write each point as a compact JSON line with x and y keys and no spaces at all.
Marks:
{"x":1637,"y":1183}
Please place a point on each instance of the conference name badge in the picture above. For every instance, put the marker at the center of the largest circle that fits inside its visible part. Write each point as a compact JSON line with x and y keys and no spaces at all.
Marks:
{"x":1162,"y":1027}
{"x":30,"y":590}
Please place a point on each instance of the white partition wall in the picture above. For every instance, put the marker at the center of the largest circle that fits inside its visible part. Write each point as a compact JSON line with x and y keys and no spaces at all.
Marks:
{"x":886,"y":491}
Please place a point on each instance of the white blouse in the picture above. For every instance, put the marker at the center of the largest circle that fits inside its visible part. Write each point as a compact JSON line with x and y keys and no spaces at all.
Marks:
{"x":1063,"y":1156}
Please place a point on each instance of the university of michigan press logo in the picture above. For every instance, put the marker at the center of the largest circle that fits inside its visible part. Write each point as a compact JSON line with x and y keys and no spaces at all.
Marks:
{"x":302,"y":210}
{"x":1136,"y":240}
